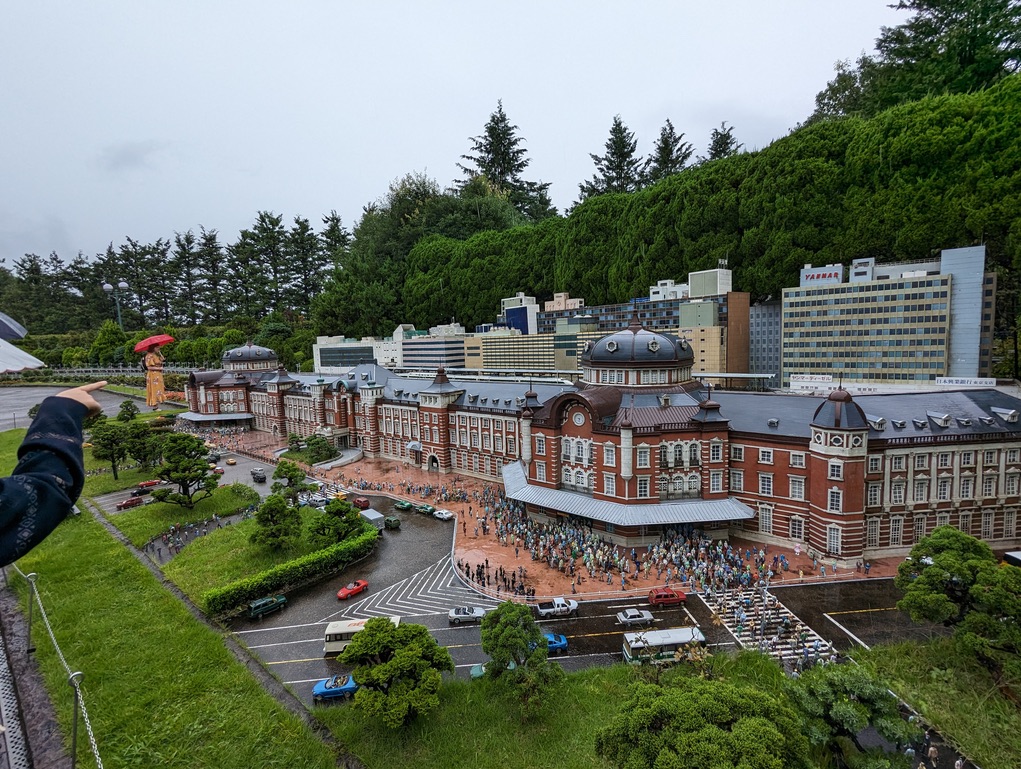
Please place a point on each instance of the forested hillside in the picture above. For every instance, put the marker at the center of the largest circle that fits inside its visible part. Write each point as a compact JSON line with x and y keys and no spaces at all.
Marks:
{"x":937,"y":173}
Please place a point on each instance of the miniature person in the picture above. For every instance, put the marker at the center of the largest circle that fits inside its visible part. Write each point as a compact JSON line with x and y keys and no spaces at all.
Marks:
{"x":155,"y":393}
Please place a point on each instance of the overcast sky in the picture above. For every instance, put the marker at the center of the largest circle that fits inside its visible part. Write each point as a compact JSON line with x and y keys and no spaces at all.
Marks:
{"x":139,"y":119}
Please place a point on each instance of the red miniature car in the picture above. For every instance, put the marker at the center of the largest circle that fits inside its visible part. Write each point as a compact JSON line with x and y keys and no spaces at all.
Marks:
{"x":130,"y":502}
{"x":352,"y":589}
{"x":217,"y":471}
{"x":361,"y":502}
{"x":666,"y":596}
{"x":147,"y":484}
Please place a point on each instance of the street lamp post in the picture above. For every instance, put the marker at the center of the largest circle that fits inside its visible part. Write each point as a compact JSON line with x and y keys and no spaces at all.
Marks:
{"x":116,"y":292}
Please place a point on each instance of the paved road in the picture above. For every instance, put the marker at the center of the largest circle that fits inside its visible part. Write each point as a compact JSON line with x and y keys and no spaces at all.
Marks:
{"x":16,"y":401}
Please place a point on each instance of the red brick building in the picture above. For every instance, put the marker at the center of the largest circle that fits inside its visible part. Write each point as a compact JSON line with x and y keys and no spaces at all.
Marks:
{"x":637,"y":446}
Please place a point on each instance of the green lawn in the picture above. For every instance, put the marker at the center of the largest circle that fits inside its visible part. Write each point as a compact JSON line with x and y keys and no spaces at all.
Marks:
{"x":956,"y":694}
{"x":9,"y":442}
{"x":478,"y":726}
{"x":140,"y":524}
{"x":160,"y":687}
{"x":226,"y":555}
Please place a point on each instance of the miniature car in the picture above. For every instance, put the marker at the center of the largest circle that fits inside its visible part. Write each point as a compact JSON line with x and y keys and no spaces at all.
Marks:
{"x":232,"y":461}
{"x":266,"y":605}
{"x":362,"y":503}
{"x":444,"y":515}
{"x":666,"y":596}
{"x":392,"y":522}
{"x":460,"y":614}
{"x":402,"y":504}
{"x":352,"y":589}
{"x":141,"y":492}
{"x":477,"y":671}
{"x":423,"y":508}
{"x":217,"y":471}
{"x":334,"y":688}
{"x":556,"y":643}
{"x":631,"y":617}
{"x":147,"y":484}
{"x":129,"y":502}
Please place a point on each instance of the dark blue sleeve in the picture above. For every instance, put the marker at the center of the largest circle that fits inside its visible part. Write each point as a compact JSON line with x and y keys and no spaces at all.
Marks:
{"x":47,"y":481}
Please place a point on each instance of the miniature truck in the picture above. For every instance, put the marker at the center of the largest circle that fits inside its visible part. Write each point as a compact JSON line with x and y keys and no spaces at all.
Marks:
{"x":558,"y":607}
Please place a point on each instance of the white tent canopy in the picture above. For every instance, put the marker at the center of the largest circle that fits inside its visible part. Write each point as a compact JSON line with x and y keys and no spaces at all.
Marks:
{"x":13,"y":360}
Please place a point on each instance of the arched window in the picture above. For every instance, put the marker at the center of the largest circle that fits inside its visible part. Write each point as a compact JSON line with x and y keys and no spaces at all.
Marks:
{"x":663,"y":485}
{"x":579,"y":451}
{"x":693,"y":452}
{"x":579,"y":479}
{"x":566,"y":452}
{"x":567,"y":475}
{"x":693,"y":482}
{"x":678,"y":483}
{"x":664,"y":455}
{"x":678,"y":454}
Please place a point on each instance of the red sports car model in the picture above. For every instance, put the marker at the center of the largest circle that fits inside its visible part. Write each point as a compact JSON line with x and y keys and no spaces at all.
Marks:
{"x":352,"y":589}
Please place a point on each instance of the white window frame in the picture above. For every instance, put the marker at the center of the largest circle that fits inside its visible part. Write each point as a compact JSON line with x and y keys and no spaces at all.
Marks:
{"x":642,"y":457}
{"x":609,"y":484}
{"x":835,"y":500}
{"x":872,"y":532}
{"x":766,"y":484}
{"x":875,"y":494}
{"x":737,"y":480}
{"x":765,"y":519}
{"x":765,"y":456}
{"x":540,"y":445}
{"x":644,"y":487}
{"x":796,"y":487}
{"x":797,"y":528}
{"x":716,"y":481}
{"x":896,"y":530}
{"x":736,"y":453}
{"x":834,"y":540}
{"x":797,"y":459}
{"x":836,"y":470}
{"x":610,"y":456}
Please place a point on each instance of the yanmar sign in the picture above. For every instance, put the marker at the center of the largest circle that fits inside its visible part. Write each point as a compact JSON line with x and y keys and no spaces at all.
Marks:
{"x":817,"y":276}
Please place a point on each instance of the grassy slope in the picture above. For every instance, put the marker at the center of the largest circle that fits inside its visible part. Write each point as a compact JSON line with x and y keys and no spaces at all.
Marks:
{"x":161,"y":687}
{"x":478,"y":727}
{"x":954,"y":692}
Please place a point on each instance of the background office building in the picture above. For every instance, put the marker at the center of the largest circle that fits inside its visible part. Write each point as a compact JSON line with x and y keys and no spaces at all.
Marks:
{"x":896,"y":323}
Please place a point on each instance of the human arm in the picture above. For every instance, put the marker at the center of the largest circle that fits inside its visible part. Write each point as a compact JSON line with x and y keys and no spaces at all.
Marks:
{"x":49,"y":475}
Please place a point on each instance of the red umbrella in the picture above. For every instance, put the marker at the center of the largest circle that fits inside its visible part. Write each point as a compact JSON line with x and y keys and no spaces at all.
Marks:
{"x":159,"y":339}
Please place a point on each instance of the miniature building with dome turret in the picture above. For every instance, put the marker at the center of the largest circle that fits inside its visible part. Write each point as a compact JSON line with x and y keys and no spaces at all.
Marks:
{"x":637,"y":447}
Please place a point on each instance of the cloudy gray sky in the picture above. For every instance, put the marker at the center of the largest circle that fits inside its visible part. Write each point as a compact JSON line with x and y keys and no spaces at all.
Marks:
{"x":137,"y":119}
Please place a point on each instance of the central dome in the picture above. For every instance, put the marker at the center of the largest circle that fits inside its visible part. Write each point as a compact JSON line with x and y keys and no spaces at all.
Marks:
{"x":637,"y":346}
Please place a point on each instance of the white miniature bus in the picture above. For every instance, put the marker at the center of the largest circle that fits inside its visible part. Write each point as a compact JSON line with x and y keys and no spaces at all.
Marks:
{"x":339,"y":634}
{"x":660,"y":646}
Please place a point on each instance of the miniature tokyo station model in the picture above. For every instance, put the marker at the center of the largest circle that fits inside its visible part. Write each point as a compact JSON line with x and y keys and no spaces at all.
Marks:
{"x":637,"y":447}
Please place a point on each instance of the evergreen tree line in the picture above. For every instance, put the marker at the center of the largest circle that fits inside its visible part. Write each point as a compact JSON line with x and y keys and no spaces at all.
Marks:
{"x":187,"y":280}
{"x":938,"y":173}
{"x":858,"y":179}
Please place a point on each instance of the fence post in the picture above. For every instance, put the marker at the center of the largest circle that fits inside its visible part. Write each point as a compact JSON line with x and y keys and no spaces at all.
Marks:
{"x":31,"y":602}
{"x":73,"y":681}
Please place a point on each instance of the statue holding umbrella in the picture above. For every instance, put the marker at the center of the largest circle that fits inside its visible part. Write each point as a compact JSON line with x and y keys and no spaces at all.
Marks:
{"x":155,"y":392}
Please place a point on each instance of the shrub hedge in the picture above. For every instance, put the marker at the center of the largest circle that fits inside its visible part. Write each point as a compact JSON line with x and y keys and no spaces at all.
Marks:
{"x":224,"y":599}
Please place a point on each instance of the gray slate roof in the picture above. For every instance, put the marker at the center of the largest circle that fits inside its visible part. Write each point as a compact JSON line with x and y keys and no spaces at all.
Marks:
{"x":517,"y":487}
{"x":751,"y":412}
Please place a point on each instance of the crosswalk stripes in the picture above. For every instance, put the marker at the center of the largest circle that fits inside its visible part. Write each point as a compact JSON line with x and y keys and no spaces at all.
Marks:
{"x":756,"y":618}
{"x":433,"y":590}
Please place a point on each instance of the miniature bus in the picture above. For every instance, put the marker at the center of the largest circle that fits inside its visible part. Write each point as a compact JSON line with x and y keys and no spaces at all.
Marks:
{"x":339,"y":634}
{"x":660,"y":646}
